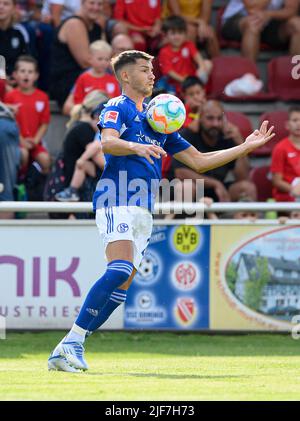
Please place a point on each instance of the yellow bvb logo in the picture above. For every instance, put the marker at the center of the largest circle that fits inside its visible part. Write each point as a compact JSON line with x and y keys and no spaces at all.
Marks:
{"x":186,"y":239}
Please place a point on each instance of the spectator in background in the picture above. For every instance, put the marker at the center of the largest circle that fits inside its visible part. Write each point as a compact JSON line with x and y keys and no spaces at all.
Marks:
{"x":14,"y":39}
{"x":212,"y":137}
{"x":285,"y":166}
{"x":32,"y":113}
{"x":9,"y":157}
{"x":70,"y":53}
{"x":120,"y":43}
{"x":97,"y":77}
{"x":197,"y":14}
{"x":40,"y":36}
{"x":274,"y":22}
{"x":142,"y":18}
{"x":90,"y":164}
{"x":179,"y":58}
{"x":55,"y":11}
{"x":194,"y":99}
{"x":82,"y":130}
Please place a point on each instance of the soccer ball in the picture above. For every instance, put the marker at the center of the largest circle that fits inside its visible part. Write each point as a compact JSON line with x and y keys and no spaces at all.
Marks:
{"x":165,"y":113}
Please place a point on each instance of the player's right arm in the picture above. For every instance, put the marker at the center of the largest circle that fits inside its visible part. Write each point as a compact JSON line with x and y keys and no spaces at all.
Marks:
{"x":113,"y":145}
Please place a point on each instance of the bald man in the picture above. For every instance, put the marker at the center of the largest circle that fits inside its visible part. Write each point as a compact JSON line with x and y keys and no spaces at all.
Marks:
{"x":120,"y":43}
{"x":215,"y":134}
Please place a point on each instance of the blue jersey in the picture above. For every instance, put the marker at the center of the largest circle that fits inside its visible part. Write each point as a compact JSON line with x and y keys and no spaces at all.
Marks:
{"x":131,"y":180}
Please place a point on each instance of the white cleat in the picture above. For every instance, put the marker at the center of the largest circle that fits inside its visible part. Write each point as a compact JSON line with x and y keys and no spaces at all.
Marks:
{"x":59,"y":363}
{"x":73,"y":354}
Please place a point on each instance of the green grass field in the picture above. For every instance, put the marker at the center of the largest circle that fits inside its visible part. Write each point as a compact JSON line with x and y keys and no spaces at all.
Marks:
{"x":155,"y":366}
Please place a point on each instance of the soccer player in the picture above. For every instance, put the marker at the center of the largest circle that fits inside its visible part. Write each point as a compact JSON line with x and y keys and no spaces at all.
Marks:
{"x":125,"y":195}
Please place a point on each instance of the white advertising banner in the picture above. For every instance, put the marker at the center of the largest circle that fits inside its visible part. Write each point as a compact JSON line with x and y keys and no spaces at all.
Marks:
{"x":45,"y":272}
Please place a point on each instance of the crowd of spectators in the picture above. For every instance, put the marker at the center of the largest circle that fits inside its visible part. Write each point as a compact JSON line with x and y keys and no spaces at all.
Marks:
{"x":60,"y":50}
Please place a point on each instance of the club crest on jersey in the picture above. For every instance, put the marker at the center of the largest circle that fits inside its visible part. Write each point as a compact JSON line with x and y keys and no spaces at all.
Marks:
{"x":111,"y":116}
{"x":39,"y":106}
{"x":110,"y":87}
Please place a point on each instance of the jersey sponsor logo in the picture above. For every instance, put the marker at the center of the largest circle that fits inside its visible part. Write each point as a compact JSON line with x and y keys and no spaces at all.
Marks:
{"x":15,"y":42}
{"x":141,"y":137}
{"x":110,"y":88}
{"x":39,"y":106}
{"x":111,"y":116}
{"x":185,"y":311}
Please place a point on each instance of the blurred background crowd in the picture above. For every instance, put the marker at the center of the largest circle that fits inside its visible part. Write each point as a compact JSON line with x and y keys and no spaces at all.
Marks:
{"x":233,"y":63}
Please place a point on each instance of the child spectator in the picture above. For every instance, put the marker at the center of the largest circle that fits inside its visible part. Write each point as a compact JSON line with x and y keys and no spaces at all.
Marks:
{"x":97,"y":77}
{"x":32,"y":112}
{"x":87,"y":165}
{"x":180,"y":58}
{"x":285,"y":166}
{"x":194,"y":98}
{"x":197,"y":14}
{"x":142,"y":19}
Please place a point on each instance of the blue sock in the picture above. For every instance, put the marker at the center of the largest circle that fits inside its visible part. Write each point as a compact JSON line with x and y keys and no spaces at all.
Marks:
{"x":117,"y":272}
{"x":117,"y":297}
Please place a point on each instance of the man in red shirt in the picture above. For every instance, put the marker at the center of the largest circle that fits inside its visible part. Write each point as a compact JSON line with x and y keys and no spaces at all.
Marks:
{"x":97,"y":78}
{"x":142,"y":19}
{"x":180,"y":58}
{"x":32,"y":112}
{"x":285,"y":165}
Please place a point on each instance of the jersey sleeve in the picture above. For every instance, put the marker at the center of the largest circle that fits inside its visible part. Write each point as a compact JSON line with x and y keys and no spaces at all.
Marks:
{"x":78,"y":90}
{"x":119,"y":10}
{"x":175,"y":143}
{"x":45,"y":115}
{"x":111,"y":117}
{"x":193,"y":49}
{"x":278,"y":158}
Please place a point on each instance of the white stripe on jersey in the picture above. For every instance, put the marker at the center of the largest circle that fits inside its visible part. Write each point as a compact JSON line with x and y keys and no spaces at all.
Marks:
{"x":116,"y":101}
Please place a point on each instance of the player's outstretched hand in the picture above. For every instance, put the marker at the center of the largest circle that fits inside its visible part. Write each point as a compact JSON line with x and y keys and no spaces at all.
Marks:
{"x":146,"y":151}
{"x":260,"y":137}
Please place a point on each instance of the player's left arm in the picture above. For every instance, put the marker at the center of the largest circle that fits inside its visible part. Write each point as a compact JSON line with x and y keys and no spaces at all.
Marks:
{"x":201,"y":162}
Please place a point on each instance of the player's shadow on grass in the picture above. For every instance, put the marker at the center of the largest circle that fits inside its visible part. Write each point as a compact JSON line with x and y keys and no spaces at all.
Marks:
{"x":169,"y":376}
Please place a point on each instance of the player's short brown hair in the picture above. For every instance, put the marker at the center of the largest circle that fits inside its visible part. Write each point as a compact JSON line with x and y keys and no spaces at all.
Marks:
{"x":128,"y":57}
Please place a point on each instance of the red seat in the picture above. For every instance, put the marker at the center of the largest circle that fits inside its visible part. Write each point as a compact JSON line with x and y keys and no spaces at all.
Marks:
{"x":261,"y":177}
{"x":280,"y":78}
{"x":277,"y":119}
{"x":227,"y":68}
{"x":241,"y":121}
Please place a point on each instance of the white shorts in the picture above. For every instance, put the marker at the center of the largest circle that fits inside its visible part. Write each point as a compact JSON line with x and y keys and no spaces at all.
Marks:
{"x":132,"y":223}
